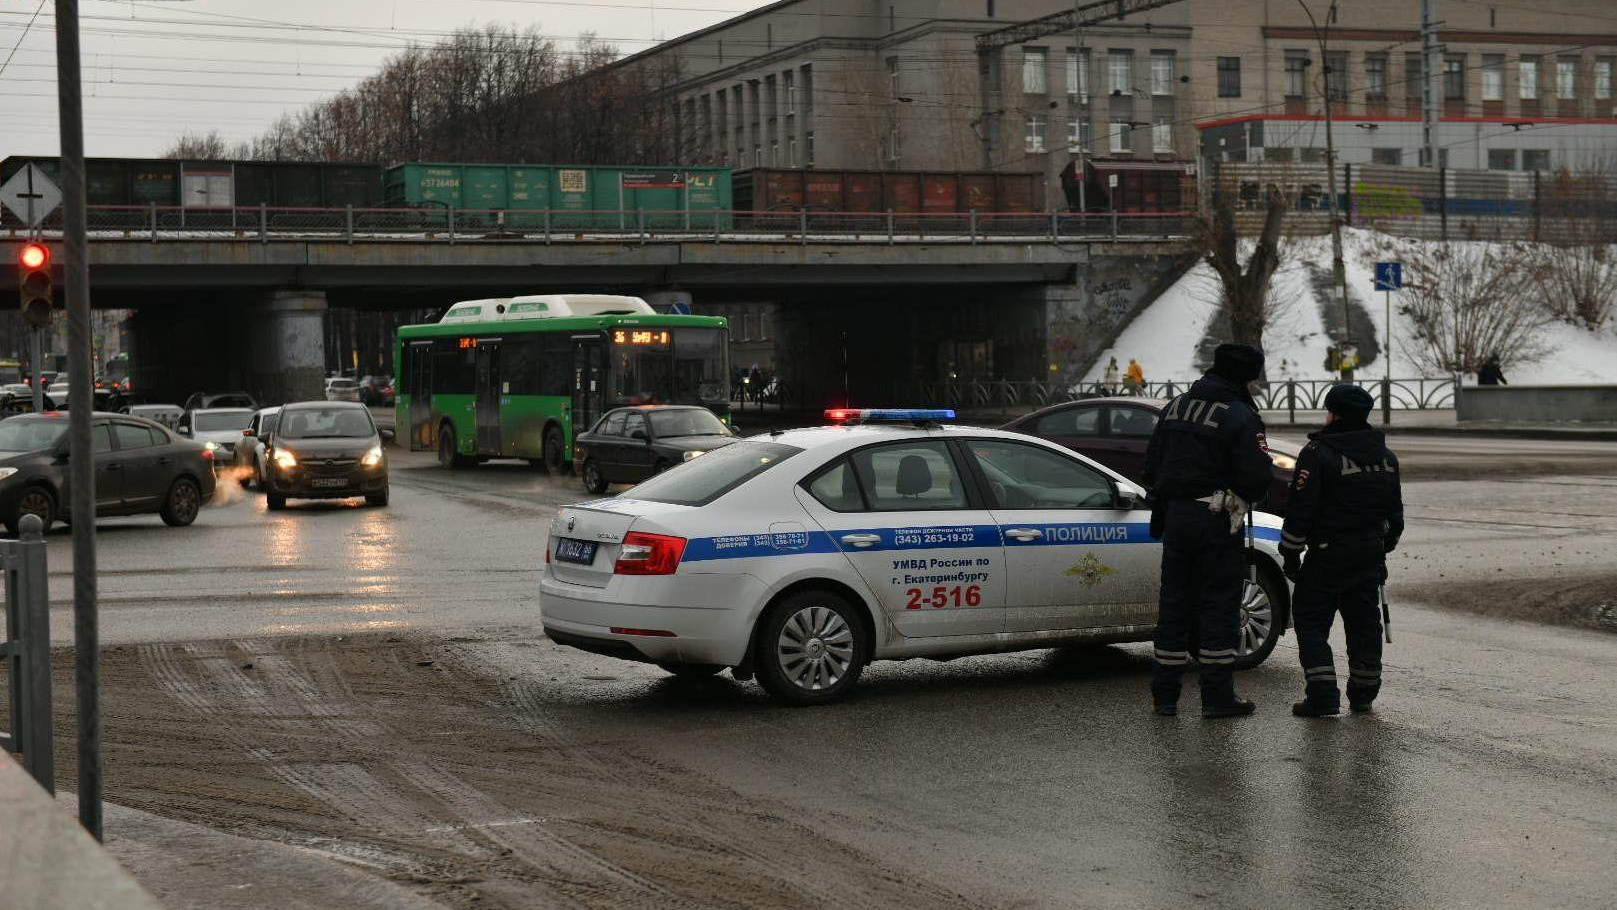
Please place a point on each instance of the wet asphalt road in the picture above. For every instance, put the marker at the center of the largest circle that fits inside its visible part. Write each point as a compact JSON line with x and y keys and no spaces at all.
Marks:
{"x":1488,"y":778}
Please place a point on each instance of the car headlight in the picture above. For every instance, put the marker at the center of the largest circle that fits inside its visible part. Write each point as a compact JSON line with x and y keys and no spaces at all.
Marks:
{"x":285,"y":459}
{"x":211,"y":446}
{"x":1282,"y":461}
{"x":7,"y":472}
{"x":372,"y":458}
{"x":689,"y":455}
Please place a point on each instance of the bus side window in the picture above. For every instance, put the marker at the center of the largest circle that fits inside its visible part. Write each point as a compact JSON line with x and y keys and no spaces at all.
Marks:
{"x":555,"y":365}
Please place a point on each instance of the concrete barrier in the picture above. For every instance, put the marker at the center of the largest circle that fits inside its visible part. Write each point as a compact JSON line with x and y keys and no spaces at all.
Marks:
{"x":48,"y":862}
{"x":1538,"y":404}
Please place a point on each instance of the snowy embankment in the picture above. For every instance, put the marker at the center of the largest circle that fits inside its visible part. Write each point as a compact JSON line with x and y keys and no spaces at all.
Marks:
{"x":1165,"y":338}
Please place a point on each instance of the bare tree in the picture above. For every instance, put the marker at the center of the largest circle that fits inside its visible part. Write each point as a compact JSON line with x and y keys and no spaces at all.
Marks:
{"x":1577,"y":273}
{"x":1245,"y":290}
{"x":1470,"y":301}
{"x":204,"y":146}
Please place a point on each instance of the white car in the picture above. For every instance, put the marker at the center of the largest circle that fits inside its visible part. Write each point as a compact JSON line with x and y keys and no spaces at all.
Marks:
{"x":218,"y":429}
{"x":339,"y":389}
{"x":799,"y":556}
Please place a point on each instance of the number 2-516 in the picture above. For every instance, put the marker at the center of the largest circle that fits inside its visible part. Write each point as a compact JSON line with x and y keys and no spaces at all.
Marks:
{"x":941,"y":597}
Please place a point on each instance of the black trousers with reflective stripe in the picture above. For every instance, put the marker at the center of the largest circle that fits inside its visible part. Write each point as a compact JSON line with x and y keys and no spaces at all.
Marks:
{"x":1203,"y":568}
{"x":1339,"y":581}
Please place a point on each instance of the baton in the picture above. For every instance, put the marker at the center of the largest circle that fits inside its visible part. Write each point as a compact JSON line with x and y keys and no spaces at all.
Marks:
{"x":1386,"y":616}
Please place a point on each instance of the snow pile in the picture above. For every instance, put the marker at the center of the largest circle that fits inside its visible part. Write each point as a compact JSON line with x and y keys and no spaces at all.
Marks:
{"x":1166,"y":336}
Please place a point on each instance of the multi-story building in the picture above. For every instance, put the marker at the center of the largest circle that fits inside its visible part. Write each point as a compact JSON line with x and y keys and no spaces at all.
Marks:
{"x":1523,"y":86}
{"x":895,"y":85}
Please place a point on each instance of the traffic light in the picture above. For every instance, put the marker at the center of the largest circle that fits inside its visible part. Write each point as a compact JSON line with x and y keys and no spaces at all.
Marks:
{"x":34,"y":283}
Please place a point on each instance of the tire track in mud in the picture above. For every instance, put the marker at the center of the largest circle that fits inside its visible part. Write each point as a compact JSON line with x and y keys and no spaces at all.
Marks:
{"x":712,"y":825}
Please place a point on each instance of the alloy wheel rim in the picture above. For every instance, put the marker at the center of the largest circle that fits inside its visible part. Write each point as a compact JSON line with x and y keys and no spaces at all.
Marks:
{"x":185,"y":501}
{"x":1257,"y":618}
{"x":815,"y":648}
{"x":35,"y":503}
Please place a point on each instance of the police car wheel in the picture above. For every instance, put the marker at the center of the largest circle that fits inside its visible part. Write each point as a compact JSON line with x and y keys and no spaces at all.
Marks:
{"x":810,"y":648}
{"x":1263,"y":619}
{"x":593,"y":481}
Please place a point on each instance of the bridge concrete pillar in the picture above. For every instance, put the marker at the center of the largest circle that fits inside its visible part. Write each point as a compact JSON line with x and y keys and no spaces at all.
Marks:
{"x":288,"y":346}
{"x":663,"y":301}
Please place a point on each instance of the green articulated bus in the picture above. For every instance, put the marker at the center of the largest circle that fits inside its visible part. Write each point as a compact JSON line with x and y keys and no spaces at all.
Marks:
{"x":517,"y":377}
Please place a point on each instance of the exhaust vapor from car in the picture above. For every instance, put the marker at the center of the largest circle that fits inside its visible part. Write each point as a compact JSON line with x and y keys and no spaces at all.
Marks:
{"x":231,"y":487}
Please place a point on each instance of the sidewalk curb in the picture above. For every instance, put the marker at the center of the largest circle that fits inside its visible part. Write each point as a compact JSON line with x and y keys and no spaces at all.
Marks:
{"x":1548,"y":433}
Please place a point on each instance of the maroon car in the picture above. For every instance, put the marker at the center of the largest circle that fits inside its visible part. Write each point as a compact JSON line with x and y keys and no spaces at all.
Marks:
{"x":1116,"y":431}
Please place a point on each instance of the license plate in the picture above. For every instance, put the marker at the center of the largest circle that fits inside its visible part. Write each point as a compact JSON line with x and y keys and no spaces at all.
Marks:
{"x":579,"y":551}
{"x":332,"y":482}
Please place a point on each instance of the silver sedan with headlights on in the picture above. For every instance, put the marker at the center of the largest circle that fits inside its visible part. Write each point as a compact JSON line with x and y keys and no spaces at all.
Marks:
{"x":325,"y":450}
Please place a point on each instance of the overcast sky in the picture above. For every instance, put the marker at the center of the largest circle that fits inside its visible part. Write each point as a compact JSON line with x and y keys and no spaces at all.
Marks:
{"x":156,"y":68}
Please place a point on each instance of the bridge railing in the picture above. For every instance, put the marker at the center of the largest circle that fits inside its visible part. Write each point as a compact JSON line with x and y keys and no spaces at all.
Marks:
{"x":1291,"y":395}
{"x":450,"y":224}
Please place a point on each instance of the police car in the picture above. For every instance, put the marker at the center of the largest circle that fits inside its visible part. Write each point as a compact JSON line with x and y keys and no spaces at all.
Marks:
{"x":799,"y":556}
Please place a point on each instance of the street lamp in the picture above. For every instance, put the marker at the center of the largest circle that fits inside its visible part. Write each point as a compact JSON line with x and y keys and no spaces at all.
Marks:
{"x":1338,"y":269}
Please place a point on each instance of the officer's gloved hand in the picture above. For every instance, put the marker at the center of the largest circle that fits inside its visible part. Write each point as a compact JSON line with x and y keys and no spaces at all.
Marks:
{"x":1293,"y":564}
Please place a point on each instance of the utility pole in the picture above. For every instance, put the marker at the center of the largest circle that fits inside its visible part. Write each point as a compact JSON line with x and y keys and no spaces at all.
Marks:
{"x":1338,"y":267}
{"x":81,"y":401}
{"x":1431,"y":82}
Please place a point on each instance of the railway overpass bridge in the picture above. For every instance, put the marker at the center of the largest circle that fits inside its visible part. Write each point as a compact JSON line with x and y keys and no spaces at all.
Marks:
{"x":244,"y":310}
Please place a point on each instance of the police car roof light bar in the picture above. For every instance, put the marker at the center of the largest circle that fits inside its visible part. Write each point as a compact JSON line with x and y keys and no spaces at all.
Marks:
{"x":916,"y":416}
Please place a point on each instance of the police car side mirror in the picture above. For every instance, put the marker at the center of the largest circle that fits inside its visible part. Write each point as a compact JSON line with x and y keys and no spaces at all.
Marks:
{"x":1127,"y":495}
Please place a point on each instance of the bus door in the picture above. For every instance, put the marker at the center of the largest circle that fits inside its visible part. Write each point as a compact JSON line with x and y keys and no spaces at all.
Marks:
{"x":489,"y":391}
{"x":418,"y":385}
{"x":589,"y":381}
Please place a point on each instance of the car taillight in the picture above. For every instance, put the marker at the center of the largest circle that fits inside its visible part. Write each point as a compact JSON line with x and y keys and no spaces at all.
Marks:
{"x":649,"y":554}
{"x":207,"y":454}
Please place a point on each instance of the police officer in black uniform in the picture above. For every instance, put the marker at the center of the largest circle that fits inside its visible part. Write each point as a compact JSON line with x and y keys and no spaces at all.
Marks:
{"x":1207,"y":449}
{"x":1347,"y":511}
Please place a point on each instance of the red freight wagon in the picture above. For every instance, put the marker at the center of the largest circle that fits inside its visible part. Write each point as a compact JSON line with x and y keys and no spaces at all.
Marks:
{"x":1140,"y":186}
{"x":901,"y":192}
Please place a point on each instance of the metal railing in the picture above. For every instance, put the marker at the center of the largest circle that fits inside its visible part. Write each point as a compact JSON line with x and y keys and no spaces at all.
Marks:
{"x":1286,"y":395}
{"x":27,"y":651}
{"x":448,"y":224}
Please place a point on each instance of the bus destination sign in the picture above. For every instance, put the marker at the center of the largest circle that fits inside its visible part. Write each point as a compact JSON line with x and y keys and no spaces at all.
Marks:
{"x":640,"y":336}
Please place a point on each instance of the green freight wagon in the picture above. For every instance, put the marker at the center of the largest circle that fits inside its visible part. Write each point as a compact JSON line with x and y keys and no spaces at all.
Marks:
{"x":528,"y":196}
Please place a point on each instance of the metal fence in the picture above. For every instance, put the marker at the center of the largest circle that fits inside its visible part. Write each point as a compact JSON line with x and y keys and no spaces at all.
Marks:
{"x":1288,"y":395}
{"x":446,"y":224}
{"x":27,"y":651}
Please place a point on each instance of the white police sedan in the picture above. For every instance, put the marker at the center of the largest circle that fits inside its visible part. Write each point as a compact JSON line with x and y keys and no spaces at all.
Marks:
{"x":800,"y":556}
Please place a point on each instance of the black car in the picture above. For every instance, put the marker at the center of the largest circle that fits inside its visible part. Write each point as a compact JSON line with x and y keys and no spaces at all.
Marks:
{"x":630,"y":444}
{"x":1116,"y":432}
{"x":325,"y":450}
{"x":140,"y":466}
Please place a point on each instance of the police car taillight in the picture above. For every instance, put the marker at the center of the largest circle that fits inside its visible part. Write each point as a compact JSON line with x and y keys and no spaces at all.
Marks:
{"x":649,"y":554}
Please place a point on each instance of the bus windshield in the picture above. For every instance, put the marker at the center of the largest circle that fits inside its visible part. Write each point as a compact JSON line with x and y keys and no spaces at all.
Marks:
{"x":669,"y":366}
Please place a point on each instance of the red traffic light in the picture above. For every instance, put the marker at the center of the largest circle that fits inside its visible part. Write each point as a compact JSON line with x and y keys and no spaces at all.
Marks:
{"x":34,"y":256}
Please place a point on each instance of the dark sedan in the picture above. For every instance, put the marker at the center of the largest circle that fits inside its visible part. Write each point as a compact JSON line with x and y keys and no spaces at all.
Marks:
{"x":1116,"y":431}
{"x":325,"y":450}
{"x":140,"y":467}
{"x":629,"y":445}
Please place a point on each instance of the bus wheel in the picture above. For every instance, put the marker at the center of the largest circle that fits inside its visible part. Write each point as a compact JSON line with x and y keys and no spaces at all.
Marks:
{"x":448,"y":457}
{"x":555,"y":452}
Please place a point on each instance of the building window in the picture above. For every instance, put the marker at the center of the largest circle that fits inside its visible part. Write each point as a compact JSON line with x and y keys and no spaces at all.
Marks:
{"x":1296,"y":74}
{"x":1033,"y":140}
{"x":1120,"y":70}
{"x":1501,"y":159}
{"x":1375,"y":77}
{"x":791,"y":151}
{"x":1527,"y":78}
{"x":893,"y":151}
{"x":808,"y":149}
{"x":1283,"y":154}
{"x":1387,"y":156}
{"x":1078,"y":73}
{"x":1336,"y":75}
{"x":1229,"y":77}
{"x":1033,"y":63}
{"x":1535,"y":159}
{"x":741,"y":156}
{"x":1121,"y":142}
{"x":789,"y":80}
{"x":1311,"y":156}
{"x":758,"y":154}
{"x":1162,"y":67}
{"x":990,"y":9}
{"x":1454,"y":78}
{"x":1603,"y":78}
{"x":774,"y":153}
{"x":771,"y":99}
{"x":1078,"y":135}
{"x":1162,"y":136}
{"x":1414,"y":80}
{"x":1566,"y":78}
{"x":808,"y":87}
{"x":1493,"y":78}
{"x":892,"y":77}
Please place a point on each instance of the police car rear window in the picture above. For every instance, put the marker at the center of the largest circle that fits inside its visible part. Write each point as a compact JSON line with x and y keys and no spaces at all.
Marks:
{"x":701,"y":480}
